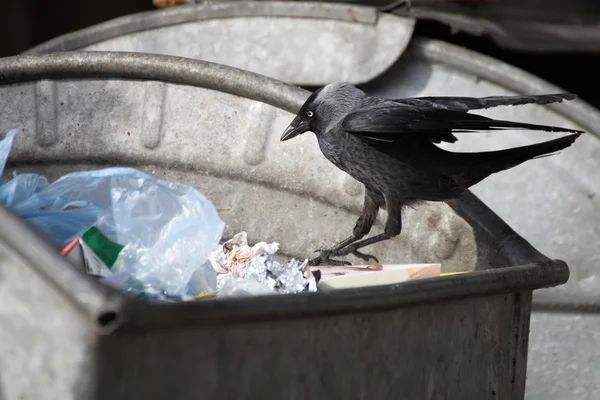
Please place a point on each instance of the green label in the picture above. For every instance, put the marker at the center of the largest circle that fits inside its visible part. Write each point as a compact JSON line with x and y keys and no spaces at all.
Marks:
{"x":105,"y":249}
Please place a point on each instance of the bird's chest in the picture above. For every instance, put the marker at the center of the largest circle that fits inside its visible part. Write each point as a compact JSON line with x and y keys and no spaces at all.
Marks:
{"x":336,"y":153}
{"x":351,"y":156}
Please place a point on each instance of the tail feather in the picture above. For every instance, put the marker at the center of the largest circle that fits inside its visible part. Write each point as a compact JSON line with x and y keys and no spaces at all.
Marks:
{"x":465,"y":104}
{"x":496,"y":124}
{"x":482,"y":165}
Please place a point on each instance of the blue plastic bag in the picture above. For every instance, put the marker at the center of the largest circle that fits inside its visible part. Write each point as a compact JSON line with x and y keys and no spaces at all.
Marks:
{"x":168,"y":228}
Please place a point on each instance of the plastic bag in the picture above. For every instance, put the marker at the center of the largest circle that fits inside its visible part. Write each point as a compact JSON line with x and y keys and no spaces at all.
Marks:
{"x":168,"y":228}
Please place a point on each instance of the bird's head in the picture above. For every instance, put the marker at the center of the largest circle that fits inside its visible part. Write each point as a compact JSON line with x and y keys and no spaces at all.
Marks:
{"x":323,"y":108}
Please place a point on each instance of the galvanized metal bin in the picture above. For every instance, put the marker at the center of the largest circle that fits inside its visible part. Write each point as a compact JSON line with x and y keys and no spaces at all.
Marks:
{"x":216,"y":127}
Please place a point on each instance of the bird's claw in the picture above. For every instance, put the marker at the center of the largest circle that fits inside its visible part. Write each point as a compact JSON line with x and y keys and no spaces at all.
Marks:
{"x":364,"y":256}
{"x":319,"y":261}
{"x":351,"y":249}
{"x":323,"y":259}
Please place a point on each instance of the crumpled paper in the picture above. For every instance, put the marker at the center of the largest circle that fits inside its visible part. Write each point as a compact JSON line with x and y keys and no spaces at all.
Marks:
{"x":245,"y":270}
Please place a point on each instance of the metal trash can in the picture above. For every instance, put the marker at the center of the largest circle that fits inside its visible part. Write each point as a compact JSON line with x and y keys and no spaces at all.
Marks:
{"x":65,"y":337}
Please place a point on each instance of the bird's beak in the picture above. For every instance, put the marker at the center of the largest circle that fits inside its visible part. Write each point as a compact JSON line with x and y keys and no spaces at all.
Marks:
{"x":297,"y":127}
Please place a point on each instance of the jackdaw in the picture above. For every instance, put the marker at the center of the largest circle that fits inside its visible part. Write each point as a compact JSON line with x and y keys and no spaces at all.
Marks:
{"x":389,"y":145}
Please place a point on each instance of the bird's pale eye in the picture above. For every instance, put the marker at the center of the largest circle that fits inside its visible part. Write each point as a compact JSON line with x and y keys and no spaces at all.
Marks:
{"x":310,"y":114}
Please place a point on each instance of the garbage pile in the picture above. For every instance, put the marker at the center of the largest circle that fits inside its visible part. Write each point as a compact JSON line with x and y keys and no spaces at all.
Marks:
{"x":152,"y":238}
{"x":160,"y":240}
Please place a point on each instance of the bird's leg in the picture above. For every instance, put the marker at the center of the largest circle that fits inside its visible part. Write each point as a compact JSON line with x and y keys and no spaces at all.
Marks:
{"x":361,"y":229}
{"x":325,"y":260}
{"x":393,"y":227}
{"x":343,"y":243}
{"x":323,"y":257}
{"x":353,"y":247}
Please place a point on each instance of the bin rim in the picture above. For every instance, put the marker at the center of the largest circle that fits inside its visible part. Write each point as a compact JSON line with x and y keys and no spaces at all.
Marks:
{"x":109,"y":309}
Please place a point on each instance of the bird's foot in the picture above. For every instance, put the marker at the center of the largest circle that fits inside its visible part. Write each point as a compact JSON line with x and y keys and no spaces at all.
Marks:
{"x":352,"y":249}
{"x":324,"y":259}
{"x":364,"y":256}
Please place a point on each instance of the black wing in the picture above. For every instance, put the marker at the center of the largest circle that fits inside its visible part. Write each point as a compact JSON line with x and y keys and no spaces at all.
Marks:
{"x":436,"y":118}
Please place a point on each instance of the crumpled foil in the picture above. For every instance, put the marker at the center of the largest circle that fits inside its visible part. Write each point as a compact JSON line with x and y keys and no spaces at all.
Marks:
{"x":291,"y":277}
{"x":230,"y":258}
{"x":239,"y":267}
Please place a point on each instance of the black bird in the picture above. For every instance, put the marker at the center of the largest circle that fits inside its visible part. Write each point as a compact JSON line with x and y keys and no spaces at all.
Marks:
{"x":389,"y":146}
